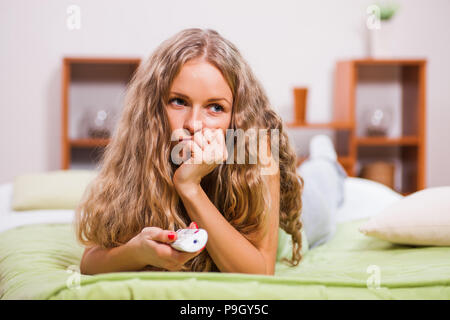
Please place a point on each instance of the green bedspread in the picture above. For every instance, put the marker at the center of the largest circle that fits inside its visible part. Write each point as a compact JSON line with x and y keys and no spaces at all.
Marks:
{"x":38,"y":262}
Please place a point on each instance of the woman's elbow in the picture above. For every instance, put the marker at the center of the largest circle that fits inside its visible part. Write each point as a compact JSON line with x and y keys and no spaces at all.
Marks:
{"x":84,"y":263}
{"x":270,"y":271}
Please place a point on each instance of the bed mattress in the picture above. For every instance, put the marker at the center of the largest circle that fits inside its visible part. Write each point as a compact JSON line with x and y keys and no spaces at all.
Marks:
{"x":40,"y":261}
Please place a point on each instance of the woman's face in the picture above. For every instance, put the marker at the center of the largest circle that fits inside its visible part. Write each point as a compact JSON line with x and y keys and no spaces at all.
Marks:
{"x":199,"y":98}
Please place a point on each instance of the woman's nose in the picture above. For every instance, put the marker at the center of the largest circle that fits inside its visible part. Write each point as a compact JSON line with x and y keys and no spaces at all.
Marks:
{"x":193,"y":121}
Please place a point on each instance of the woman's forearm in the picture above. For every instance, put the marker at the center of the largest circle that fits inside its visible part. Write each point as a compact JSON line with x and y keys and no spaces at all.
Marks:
{"x":101,"y":260}
{"x":229,"y":249}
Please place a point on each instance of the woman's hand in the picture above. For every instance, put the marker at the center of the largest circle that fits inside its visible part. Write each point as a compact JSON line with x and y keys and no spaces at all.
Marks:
{"x":208,"y":149}
{"x":152,"y":247}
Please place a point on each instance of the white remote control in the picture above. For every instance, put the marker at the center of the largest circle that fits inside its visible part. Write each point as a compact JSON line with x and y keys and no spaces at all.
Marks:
{"x":190,"y":240}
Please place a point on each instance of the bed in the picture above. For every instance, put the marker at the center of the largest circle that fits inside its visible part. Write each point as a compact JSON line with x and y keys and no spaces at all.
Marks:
{"x":39,"y":259}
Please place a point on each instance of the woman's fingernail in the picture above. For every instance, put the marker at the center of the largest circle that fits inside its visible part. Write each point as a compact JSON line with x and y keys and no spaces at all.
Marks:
{"x":171,"y":235}
{"x":195,"y":225}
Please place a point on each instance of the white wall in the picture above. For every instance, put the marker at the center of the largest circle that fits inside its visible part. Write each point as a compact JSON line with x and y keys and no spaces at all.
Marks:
{"x":287,"y":43}
{"x":422,"y":30}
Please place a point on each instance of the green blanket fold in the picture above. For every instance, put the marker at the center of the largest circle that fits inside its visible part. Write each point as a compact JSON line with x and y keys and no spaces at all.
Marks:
{"x":40,"y":262}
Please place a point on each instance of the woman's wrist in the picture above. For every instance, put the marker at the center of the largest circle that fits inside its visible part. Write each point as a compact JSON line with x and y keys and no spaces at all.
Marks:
{"x":188,"y":189}
{"x":130,"y":251}
{"x":117,"y":259}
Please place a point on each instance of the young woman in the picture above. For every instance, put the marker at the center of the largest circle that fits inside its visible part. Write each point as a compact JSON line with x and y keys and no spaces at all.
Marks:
{"x":194,"y":87}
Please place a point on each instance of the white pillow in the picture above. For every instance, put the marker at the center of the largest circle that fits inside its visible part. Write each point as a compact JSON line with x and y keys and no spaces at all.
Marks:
{"x":364,"y":198}
{"x":58,"y":189}
{"x":10,"y":219}
{"x":422,"y":218}
{"x":6,"y":192}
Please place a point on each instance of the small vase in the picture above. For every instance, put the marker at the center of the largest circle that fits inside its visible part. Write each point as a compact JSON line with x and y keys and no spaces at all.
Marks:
{"x":381,"y":40}
{"x":300,"y":99}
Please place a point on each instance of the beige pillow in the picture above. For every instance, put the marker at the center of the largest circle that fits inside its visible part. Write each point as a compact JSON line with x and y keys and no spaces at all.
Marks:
{"x":60,"y":189}
{"x":422,"y":218}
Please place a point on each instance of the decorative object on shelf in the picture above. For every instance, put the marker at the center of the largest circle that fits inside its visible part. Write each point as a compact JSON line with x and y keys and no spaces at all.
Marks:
{"x":99,"y":123}
{"x":382,"y":172}
{"x":381,"y":28}
{"x":377,"y":120}
{"x":300,"y":97}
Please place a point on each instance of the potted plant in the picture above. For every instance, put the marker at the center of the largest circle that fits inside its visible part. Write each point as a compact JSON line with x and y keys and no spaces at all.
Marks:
{"x":381,"y":28}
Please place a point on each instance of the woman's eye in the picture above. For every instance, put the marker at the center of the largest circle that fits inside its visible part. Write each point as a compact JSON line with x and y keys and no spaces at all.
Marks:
{"x":181,"y":101}
{"x":216,"y":107}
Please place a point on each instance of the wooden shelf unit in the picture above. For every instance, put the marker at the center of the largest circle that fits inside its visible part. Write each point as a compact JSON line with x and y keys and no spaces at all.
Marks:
{"x":409,"y":144}
{"x":384,"y":141}
{"x":88,"y":72}
{"x":407,"y":147}
{"x":330,"y":125}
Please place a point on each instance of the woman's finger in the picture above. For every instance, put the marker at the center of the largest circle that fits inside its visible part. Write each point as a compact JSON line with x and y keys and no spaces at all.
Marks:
{"x":208,"y":134}
{"x":220,"y":146}
{"x":210,"y":150}
{"x":193,"y":225}
{"x":183,"y":257}
{"x":196,"y":153}
{"x":185,"y":151}
{"x":160,"y":235}
{"x":222,"y":140}
{"x":200,"y":139}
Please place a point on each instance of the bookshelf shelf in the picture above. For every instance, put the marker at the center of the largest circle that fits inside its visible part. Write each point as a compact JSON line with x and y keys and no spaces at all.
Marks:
{"x":383,"y":141}
{"x":330,"y":125}
{"x":90,"y":84}
{"x":88,"y":143}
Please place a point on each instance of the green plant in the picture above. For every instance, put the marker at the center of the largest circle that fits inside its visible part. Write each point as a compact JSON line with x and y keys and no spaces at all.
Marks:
{"x":387,"y":10}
